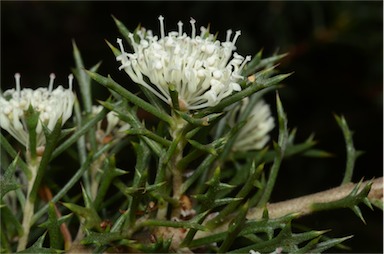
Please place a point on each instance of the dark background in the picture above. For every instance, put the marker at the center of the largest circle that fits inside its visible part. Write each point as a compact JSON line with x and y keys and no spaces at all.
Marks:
{"x":335,"y":50}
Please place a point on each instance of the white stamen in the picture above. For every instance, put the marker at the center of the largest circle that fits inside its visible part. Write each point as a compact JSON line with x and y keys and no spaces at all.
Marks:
{"x":162,"y":34}
{"x":130,"y":35}
{"x":51,"y":79}
{"x":193,"y":28}
{"x":247,"y":59}
{"x":229,"y":33}
{"x":120,"y":42}
{"x":237,"y":34}
{"x":180,"y":25}
{"x":70,"y":81}
{"x":17,"y":79}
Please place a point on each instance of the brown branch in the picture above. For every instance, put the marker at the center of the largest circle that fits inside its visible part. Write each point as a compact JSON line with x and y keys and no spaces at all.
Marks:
{"x":302,"y":205}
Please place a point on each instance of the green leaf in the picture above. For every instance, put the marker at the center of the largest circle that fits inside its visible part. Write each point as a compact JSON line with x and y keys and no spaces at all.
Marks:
{"x":267,"y":226}
{"x":37,"y":247}
{"x":174,"y":96}
{"x":285,"y":240}
{"x":11,"y":151}
{"x":271,"y":60}
{"x":317,"y":153}
{"x":199,"y":218}
{"x":83,"y":79}
{"x":10,"y":225}
{"x":134,"y":191}
{"x":100,"y":239}
{"x":51,"y":136}
{"x":173,"y":224}
{"x":127,"y":115}
{"x":109,"y":173}
{"x":257,"y":63}
{"x":352,"y":154}
{"x":149,"y":134}
{"x":55,"y":238}
{"x":249,"y":90}
{"x":234,"y":228}
{"x":85,"y":86}
{"x":122,"y":29}
{"x":61,"y":220}
{"x":199,"y":121}
{"x":241,"y":195}
{"x":206,"y":148}
{"x":111,"y":84}
{"x":7,"y":181}
{"x":325,"y":245}
{"x":251,"y":66}
{"x":209,"y":199}
{"x":160,"y":246}
{"x":358,"y":213}
{"x":203,"y":167}
{"x":358,"y":195}
{"x":279,"y":149}
{"x":32,"y":119}
{"x":80,"y":132}
{"x":75,"y":178}
{"x":115,"y":50}
{"x":91,"y":218}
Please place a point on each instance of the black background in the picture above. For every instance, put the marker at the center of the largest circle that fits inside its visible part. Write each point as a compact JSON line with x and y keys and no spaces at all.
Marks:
{"x":335,"y":50}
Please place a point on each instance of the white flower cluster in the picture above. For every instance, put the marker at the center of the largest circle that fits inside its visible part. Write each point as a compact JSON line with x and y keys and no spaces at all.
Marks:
{"x":254,"y":134}
{"x":115,"y":128}
{"x":199,"y":67}
{"x":50,"y":103}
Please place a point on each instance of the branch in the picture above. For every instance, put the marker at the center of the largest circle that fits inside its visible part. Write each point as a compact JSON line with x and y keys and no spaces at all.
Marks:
{"x":303,"y":205}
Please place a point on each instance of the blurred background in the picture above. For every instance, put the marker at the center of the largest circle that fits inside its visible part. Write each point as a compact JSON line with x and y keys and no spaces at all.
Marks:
{"x":335,"y":51}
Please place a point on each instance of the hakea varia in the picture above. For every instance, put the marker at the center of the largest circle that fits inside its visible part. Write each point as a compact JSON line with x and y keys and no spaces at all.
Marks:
{"x":201,"y":69}
{"x":254,"y":134}
{"x":111,"y":128}
{"x":51,"y":104}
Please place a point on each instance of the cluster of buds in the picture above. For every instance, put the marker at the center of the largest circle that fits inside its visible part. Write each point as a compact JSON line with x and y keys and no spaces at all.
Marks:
{"x":49,"y":103}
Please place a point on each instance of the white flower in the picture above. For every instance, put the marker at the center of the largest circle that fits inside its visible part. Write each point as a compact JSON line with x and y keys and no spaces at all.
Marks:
{"x":198,"y":66}
{"x":115,"y":128}
{"x":50,"y":103}
{"x":254,"y":134}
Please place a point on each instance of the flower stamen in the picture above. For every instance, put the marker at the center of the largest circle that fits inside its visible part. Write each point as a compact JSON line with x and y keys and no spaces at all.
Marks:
{"x":52,"y":77}
{"x":199,"y":66}
{"x":180,"y":25}
{"x":162,"y":33}
{"x":193,"y":28}
{"x":17,"y":80}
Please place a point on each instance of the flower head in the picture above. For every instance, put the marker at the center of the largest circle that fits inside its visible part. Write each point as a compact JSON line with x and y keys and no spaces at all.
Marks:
{"x":201,"y":69}
{"x":254,"y":134}
{"x":51,"y":104}
{"x":114,"y":128}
